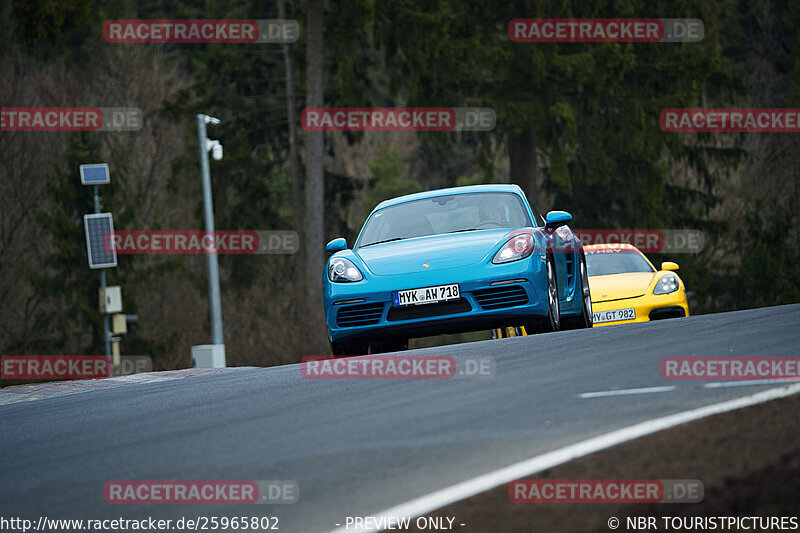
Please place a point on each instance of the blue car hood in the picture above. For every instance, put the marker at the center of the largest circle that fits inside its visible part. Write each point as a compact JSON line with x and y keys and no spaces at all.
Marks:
{"x":439,"y":251}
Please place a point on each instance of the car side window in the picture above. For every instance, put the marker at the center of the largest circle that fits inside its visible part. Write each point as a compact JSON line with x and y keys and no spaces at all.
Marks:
{"x":538,"y":219}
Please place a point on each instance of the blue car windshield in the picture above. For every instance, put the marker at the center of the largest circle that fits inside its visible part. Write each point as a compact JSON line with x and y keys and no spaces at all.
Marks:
{"x":445,"y":214}
{"x":603,"y":262}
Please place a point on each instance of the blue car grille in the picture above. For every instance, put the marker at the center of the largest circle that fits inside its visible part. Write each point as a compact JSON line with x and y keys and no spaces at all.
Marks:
{"x":359,"y":315}
{"x":428,"y":310}
{"x":500,"y":297}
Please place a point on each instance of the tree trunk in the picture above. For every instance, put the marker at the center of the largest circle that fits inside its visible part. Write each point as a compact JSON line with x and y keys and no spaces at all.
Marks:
{"x":315,"y":180}
{"x":291,"y":115}
{"x":522,"y":162}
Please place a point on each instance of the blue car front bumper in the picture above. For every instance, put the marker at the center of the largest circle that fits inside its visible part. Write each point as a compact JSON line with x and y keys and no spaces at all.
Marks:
{"x":491,"y":296}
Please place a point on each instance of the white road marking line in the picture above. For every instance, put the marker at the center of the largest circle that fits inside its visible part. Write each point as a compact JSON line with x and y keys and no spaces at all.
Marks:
{"x":745,"y":382}
{"x":624,"y":392}
{"x":471,"y":487}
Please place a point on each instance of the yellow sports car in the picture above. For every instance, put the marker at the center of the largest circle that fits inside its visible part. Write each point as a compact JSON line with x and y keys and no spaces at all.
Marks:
{"x":626,"y":287}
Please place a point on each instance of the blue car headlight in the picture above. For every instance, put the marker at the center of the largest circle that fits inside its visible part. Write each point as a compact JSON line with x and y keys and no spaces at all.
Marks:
{"x":516,"y":248}
{"x":343,"y":270}
{"x":666,"y":285}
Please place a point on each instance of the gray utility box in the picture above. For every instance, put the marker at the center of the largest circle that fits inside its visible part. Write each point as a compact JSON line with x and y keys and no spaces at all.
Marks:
{"x":110,"y":300}
{"x":208,"y":356}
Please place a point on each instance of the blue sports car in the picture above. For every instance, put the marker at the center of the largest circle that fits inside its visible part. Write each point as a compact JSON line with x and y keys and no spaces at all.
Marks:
{"x":450,"y":261}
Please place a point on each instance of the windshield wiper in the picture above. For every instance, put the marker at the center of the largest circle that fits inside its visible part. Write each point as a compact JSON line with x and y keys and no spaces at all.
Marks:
{"x":381,"y":242}
{"x":468,"y":229}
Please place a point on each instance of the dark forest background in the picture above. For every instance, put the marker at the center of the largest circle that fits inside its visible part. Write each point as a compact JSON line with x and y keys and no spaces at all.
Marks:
{"x":577,"y":127}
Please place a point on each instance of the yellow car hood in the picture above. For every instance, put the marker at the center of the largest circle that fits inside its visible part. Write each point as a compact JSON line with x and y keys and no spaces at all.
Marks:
{"x":618,"y":286}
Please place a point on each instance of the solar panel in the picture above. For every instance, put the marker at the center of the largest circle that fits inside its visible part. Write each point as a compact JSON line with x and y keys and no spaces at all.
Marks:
{"x":96,"y":174}
{"x":99,"y":245}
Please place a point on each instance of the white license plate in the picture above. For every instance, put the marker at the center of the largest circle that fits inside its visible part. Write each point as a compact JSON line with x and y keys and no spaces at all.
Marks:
{"x":426,"y":295}
{"x":614,"y":315}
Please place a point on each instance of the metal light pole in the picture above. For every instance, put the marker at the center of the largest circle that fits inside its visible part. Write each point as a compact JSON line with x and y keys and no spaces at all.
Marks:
{"x":208,"y":207}
{"x":106,"y":335}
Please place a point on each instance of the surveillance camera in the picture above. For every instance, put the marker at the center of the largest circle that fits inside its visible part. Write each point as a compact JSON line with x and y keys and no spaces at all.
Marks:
{"x":215,"y":148}
{"x":212,"y":120}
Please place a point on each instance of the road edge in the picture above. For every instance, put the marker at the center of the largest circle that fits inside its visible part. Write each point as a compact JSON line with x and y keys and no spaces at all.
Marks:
{"x":471,"y":487}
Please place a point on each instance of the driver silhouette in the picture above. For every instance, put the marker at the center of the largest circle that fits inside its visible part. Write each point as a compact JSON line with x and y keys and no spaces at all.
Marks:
{"x":492,"y":210}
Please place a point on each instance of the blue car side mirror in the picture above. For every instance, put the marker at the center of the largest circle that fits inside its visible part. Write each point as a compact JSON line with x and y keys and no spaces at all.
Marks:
{"x":555,"y":219}
{"x":336,"y":245}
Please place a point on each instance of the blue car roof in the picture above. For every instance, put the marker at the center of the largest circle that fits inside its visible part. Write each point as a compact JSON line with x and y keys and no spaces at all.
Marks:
{"x":493,"y":187}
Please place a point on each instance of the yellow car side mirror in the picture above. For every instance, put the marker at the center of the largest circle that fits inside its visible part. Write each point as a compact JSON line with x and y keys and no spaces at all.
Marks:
{"x":669,"y":265}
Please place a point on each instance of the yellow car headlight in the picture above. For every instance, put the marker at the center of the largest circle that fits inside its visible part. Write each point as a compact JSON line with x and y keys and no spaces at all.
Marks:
{"x":667,"y":284}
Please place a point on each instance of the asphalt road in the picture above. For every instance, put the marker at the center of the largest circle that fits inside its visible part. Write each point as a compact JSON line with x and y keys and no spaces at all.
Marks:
{"x":356,"y":447}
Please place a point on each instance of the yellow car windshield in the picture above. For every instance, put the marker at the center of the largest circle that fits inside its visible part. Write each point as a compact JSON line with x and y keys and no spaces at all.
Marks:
{"x":615,"y":261}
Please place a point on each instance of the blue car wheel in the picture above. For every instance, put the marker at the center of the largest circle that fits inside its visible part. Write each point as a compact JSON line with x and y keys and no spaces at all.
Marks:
{"x":584,"y":318}
{"x":551,"y":322}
